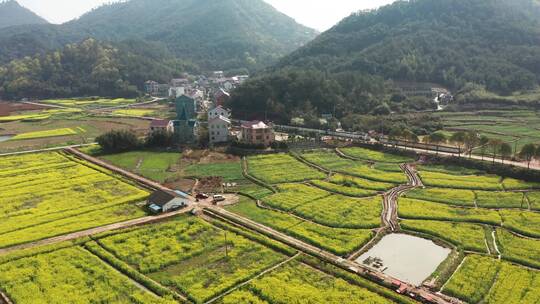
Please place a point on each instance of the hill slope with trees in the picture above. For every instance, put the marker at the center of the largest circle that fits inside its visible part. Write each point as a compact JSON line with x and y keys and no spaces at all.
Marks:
{"x":89,"y":68}
{"x":225,"y":34}
{"x":12,"y":14}
{"x":493,"y":44}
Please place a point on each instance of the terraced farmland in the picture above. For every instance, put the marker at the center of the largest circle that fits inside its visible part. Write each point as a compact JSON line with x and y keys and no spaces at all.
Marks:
{"x":418,"y":209}
{"x":70,"y":275}
{"x":386,"y":173}
{"x":340,"y":241}
{"x":376,"y":156}
{"x":525,"y":251}
{"x":281,"y":168}
{"x":299,"y":283}
{"x":48,"y":194}
{"x":467,"y":236}
{"x":89,"y":103}
{"x":191,"y":256}
{"x":325,"y":208}
{"x":494,"y":282}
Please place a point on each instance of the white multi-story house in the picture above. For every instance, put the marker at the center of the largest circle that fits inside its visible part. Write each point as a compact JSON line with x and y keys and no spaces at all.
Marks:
{"x":219,"y":129}
{"x":219,"y":111}
{"x":177,"y":91}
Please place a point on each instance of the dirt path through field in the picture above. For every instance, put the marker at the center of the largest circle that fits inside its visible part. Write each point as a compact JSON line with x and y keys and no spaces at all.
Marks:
{"x":252,"y":279}
{"x":322,"y":254}
{"x":94,"y":231}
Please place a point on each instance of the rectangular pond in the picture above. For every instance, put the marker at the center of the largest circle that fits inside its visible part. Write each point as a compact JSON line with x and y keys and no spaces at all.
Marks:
{"x":407,"y":258}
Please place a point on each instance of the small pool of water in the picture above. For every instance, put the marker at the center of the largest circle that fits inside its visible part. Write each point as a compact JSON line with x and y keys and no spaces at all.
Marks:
{"x":5,"y":137}
{"x":407,"y":258}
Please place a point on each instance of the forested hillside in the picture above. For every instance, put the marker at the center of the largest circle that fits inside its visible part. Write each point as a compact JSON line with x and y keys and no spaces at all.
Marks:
{"x":490,"y":43}
{"x":89,"y":68}
{"x":225,"y":34}
{"x":11,"y":14}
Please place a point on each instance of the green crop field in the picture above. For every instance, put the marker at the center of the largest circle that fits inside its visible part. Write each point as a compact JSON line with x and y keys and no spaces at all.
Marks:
{"x":45,"y":134}
{"x":457,"y":197}
{"x":71,"y":275}
{"x":325,"y":208}
{"x":448,"y":169}
{"x":467,"y":236}
{"x":474,"y":182}
{"x":253,"y":190}
{"x":514,"y":285}
{"x":417,"y":209}
{"x":518,"y":249}
{"x":36,"y":116}
{"x":281,"y":168}
{"x":230,"y":171}
{"x":467,"y":198}
{"x":376,"y":156}
{"x":327,"y":159}
{"x":337,"y":240}
{"x":153,"y":165}
{"x":473,"y":279}
{"x":291,"y":196}
{"x":356,"y":182}
{"x":497,"y":200}
{"x":343,"y":189}
{"x":88,"y":103}
{"x":343,"y":212}
{"x":135,"y":112}
{"x":48,"y":194}
{"x":486,"y":280}
{"x":300,"y":284}
{"x":516,"y":184}
{"x":534,"y":200}
{"x":388,"y":173}
{"x":192,"y":256}
{"x":523,"y":222}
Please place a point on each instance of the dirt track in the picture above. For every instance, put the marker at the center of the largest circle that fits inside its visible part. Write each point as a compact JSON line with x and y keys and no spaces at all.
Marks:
{"x":94,"y":231}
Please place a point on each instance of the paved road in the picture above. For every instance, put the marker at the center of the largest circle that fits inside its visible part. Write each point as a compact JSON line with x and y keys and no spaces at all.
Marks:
{"x":534,"y":165}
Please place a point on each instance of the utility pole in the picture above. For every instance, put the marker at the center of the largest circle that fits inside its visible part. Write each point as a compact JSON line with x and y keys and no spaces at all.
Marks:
{"x":226,"y":246}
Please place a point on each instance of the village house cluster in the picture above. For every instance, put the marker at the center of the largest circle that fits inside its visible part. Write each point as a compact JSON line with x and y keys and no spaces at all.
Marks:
{"x":200,"y":105}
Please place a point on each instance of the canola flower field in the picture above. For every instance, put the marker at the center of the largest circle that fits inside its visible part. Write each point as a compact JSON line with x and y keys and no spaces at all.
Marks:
{"x":48,"y":194}
{"x":483,"y":216}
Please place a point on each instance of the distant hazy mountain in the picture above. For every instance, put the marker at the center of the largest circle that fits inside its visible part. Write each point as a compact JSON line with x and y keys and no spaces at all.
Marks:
{"x":224,"y":34}
{"x":494,"y":43}
{"x":11,"y":13}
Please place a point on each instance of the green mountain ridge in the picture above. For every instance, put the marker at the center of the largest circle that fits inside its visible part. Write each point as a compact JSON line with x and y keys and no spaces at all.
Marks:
{"x":89,"y":68}
{"x":225,"y":34}
{"x":13,"y":14}
{"x":456,"y":43}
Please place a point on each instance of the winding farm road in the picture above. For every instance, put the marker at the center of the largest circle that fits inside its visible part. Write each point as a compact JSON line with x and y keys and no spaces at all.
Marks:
{"x":390,"y":210}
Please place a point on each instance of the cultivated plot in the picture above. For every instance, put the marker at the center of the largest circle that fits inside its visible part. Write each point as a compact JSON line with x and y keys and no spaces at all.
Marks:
{"x":191,"y":256}
{"x":281,"y":168}
{"x":487,"y":280}
{"x":48,"y":194}
{"x":299,"y":283}
{"x":340,"y":241}
{"x":69,"y":275}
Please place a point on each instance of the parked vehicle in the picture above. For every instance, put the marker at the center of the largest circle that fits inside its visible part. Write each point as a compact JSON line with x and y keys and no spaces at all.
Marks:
{"x":202,"y":196}
{"x":218,"y":198}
